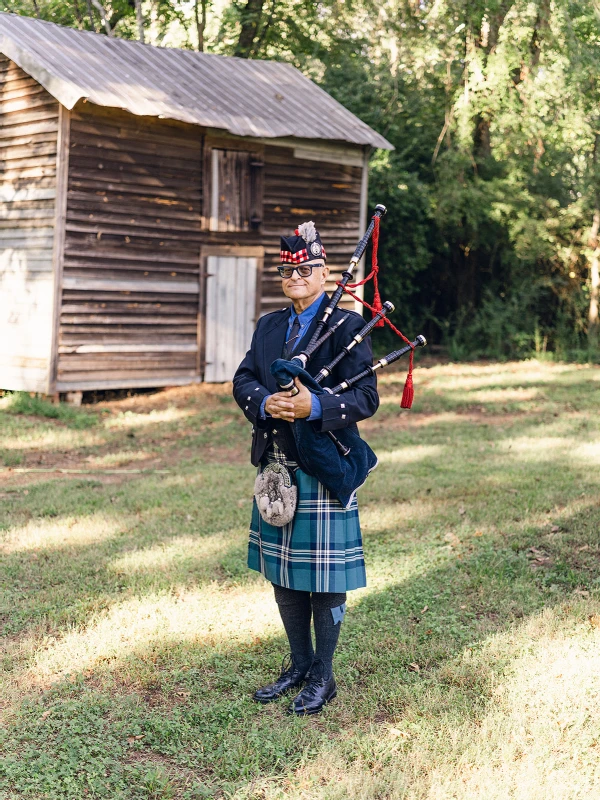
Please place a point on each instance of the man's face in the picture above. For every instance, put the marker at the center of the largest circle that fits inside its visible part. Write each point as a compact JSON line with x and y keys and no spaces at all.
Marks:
{"x":304,"y":289}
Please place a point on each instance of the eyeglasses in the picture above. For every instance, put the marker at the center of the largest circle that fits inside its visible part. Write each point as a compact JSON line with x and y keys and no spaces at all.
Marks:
{"x":304,"y":270}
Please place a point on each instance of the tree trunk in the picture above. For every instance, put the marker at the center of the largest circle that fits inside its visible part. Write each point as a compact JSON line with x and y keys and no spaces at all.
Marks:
{"x":91,"y":15}
{"x":482,"y":143}
{"x":593,"y":319}
{"x":103,"y":16}
{"x":201,"y":22}
{"x":140,"y":20}
{"x":250,"y":18}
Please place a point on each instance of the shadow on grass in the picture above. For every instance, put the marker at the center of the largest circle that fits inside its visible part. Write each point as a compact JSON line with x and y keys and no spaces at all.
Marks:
{"x":193,"y":713}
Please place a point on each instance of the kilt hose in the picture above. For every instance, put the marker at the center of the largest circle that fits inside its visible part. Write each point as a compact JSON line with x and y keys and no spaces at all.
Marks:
{"x":320,"y":550}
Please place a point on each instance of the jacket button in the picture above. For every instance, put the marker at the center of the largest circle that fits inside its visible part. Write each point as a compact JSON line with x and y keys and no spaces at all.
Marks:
{"x":248,"y":398}
{"x":265,"y":435}
{"x":246,"y":408}
{"x":274,"y":431}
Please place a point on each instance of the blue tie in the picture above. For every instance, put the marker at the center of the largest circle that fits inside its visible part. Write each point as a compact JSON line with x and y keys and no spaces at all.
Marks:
{"x":292,"y":340}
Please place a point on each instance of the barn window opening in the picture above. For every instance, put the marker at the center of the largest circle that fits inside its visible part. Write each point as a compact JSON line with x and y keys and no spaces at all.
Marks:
{"x":235,"y":196}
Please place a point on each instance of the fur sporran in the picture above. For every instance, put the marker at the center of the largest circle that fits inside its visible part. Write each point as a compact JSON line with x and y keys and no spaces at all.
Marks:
{"x":276,"y":494}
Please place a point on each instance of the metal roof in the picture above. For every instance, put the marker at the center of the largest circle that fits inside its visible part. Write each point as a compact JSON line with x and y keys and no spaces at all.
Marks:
{"x":261,"y":99}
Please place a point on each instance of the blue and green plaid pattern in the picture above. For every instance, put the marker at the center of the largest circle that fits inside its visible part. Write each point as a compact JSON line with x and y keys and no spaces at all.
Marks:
{"x":321,"y":548}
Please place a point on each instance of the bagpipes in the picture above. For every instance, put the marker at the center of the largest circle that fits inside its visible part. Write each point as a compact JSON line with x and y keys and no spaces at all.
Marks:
{"x":342,"y":463}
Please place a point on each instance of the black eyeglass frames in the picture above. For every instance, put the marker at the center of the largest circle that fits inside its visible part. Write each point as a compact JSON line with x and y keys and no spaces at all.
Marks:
{"x":304,"y":270}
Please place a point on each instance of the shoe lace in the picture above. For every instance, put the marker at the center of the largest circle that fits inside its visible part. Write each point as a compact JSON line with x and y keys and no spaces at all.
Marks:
{"x":287,"y":665}
{"x":316,"y":675}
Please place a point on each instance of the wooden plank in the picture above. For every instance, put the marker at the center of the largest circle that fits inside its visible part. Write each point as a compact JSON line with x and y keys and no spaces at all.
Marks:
{"x":140,"y":225}
{"x":152,"y":137}
{"x":24,"y":211}
{"x":180,"y":234}
{"x":21,"y":236}
{"x":123,"y":332}
{"x":102,"y":384}
{"x":211,"y":317}
{"x":130,"y":348}
{"x":13,"y":82}
{"x":129,"y":374}
{"x":28,"y":103}
{"x":106,"y":336}
{"x":12,"y":194}
{"x":62,"y":170}
{"x":127,"y":182}
{"x":23,"y":152}
{"x":142,"y":298}
{"x":12,"y":122}
{"x":134,"y":364}
{"x":92,"y":158}
{"x":115,"y":203}
{"x":158,"y":287}
{"x":126,"y":319}
{"x":107,"y":272}
{"x":126,"y":306}
{"x":94,"y":251}
{"x":35,"y":128}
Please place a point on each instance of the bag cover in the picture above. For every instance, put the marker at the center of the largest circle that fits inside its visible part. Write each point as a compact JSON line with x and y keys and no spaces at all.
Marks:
{"x":341,"y":475}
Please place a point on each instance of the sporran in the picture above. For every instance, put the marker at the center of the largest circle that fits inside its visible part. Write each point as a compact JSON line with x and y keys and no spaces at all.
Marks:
{"x":276,"y":494}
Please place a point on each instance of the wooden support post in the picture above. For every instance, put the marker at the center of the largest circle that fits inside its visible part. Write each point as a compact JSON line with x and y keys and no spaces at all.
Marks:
{"x":60,"y":217}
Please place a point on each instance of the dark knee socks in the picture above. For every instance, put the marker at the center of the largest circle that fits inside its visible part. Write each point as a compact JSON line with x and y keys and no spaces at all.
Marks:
{"x":296,"y":611}
{"x":327,"y":610}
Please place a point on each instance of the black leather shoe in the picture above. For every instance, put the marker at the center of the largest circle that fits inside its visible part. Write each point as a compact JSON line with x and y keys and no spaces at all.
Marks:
{"x":314,"y":697}
{"x":290,"y":678}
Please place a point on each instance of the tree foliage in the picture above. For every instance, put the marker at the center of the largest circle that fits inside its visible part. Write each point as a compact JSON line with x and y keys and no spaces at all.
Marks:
{"x":493,"y":106}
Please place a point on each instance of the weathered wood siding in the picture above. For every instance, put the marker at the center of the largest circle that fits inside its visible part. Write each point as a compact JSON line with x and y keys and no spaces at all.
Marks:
{"x":28,"y":146}
{"x":138,"y":216}
{"x":129,"y":311}
{"x":299,"y":189}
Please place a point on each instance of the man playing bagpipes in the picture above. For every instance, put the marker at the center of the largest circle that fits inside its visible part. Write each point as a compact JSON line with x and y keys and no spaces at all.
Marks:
{"x":313,"y":560}
{"x":305,"y":534}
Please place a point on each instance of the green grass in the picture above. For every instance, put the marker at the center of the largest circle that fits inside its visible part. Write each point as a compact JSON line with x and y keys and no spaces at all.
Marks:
{"x":134,"y":636}
{"x":24,"y":403}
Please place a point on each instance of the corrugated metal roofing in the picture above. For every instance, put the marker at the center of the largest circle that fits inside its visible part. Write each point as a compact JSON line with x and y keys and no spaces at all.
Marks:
{"x":262,"y":99}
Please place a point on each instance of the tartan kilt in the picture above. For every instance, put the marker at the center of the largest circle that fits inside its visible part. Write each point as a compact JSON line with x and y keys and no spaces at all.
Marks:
{"x":320,"y":550}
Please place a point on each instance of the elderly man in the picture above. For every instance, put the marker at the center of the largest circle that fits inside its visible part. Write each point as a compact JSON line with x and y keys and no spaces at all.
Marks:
{"x":314,"y":559}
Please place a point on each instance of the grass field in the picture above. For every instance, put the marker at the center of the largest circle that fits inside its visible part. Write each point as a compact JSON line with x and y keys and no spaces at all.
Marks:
{"x":133,"y":635}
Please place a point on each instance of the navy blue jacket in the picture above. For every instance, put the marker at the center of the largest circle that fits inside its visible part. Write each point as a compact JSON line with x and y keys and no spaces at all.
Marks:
{"x":253,"y":381}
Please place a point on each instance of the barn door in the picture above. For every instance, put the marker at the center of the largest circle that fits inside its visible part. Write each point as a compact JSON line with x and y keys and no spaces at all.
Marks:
{"x":230,"y":314}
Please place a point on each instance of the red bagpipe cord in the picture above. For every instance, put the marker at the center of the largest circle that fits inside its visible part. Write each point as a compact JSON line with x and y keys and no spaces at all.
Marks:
{"x":409,"y":393}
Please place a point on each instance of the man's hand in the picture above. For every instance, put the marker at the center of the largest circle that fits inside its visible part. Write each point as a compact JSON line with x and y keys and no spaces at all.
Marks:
{"x":283,"y":406}
{"x":302,"y":401}
{"x":280,"y":406}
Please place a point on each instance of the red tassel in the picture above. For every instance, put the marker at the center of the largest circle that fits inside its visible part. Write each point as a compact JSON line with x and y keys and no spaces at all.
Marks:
{"x":408,"y":395}
{"x":297,"y":232}
{"x":377,"y":304}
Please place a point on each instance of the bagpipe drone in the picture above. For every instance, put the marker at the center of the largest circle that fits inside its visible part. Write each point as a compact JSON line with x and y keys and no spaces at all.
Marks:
{"x":342,"y":462}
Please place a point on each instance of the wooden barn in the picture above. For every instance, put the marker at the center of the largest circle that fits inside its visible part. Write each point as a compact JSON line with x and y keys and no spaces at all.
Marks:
{"x":143,"y":191}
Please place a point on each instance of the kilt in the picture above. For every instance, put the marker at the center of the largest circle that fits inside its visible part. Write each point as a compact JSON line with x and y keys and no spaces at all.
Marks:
{"x":320,"y":550}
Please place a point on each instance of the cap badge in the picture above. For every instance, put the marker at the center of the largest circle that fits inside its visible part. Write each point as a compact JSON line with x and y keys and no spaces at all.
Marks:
{"x":315,"y":249}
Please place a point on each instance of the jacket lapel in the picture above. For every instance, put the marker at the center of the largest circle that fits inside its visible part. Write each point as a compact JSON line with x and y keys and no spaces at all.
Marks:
{"x":273,"y":342}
